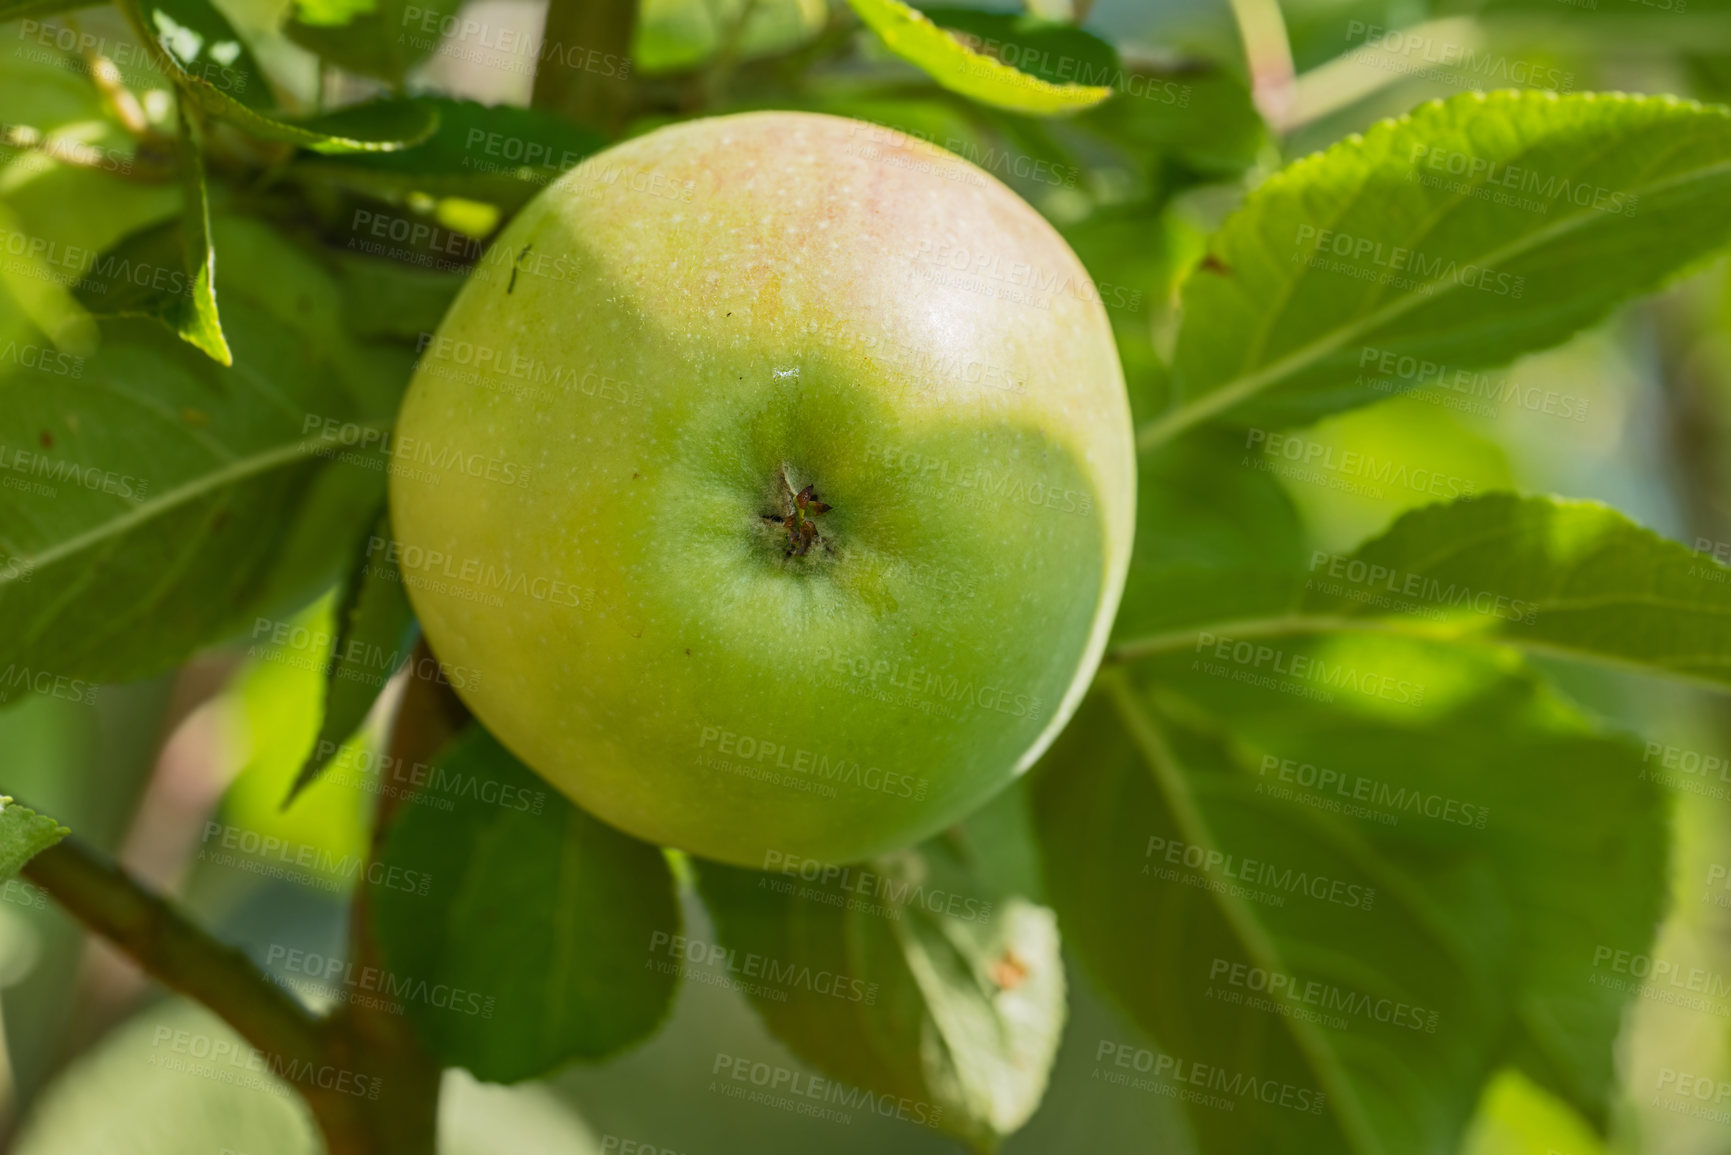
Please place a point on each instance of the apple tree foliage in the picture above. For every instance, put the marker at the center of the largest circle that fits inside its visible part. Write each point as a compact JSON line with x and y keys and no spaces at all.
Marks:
{"x":204,"y":445}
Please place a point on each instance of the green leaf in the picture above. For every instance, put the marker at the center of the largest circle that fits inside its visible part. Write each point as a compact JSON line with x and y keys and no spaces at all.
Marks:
{"x":911,"y":36}
{"x":23,"y":835}
{"x":163,"y":501}
{"x":497,"y":153}
{"x":1200,"y":115}
{"x":178,"y":285}
{"x":1572,"y":579}
{"x":387,"y":299}
{"x":908,"y":976}
{"x":1517,"y":1117}
{"x":1340,"y":919}
{"x":540,"y":914}
{"x":208,"y":60}
{"x":674,"y":35}
{"x":37,"y":9}
{"x":376,"y":127}
{"x":385,"y":39}
{"x":1457,"y":238}
{"x":375,"y":631}
{"x":1047,"y":50}
{"x":1214,"y":542}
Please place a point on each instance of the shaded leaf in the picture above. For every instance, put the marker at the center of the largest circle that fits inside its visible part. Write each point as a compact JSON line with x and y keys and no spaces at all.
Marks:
{"x":388,"y":299}
{"x":1057,"y":53}
{"x":385,"y":39}
{"x":496,"y":153}
{"x":168,"y":272}
{"x":37,"y":9}
{"x":540,"y":914}
{"x":1369,"y":909}
{"x":374,"y":636}
{"x":163,"y":501}
{"x":1214,"y":543}
{"x":908,"y":976}
{"x":680,"y":34}
{"x":207,"y":59}
{"x":1572,"y":579}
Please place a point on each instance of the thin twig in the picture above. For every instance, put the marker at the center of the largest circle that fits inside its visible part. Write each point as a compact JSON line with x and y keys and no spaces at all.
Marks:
{"x":176,"y":952}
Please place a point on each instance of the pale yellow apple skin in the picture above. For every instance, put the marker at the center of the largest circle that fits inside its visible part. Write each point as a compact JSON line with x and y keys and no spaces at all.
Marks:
{"x":592,"y":440}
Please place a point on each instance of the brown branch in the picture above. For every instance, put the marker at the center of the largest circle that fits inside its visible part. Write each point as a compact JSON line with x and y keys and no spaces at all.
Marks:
{"x":585,"y":65}
{"x":428,"y":717}
{"x":325,"y":1060}
{"x":176,"y":952}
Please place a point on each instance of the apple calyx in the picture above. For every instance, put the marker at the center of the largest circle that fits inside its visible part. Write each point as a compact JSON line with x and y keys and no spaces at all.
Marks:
{"x":796,"y":516}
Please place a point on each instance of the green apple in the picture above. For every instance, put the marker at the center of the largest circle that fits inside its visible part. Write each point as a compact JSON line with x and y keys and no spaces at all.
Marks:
{"x":770,"y":489}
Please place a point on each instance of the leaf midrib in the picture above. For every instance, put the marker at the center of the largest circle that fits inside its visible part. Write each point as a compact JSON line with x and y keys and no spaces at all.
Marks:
{"x":1150,"y":744}
{"x":231,"y":473}
{"x":1246,"y":385}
